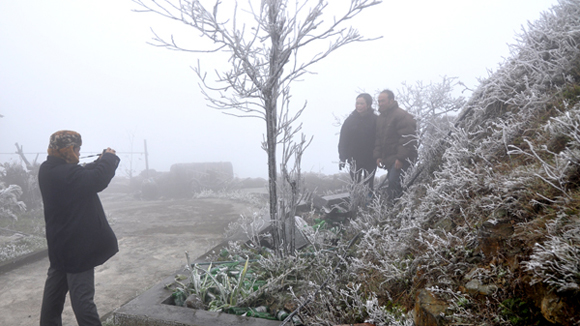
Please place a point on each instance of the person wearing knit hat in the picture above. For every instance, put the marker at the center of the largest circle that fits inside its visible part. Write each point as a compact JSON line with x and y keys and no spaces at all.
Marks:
{"x":63,"y":143}
{"x":78,"y":234}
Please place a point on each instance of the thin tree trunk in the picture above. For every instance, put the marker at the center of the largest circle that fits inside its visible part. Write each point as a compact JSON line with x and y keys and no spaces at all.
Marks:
{"x":271,"y":97}
{"x":20,"y":152}
{"x":292,"y":220}
{"x":272,"y":173}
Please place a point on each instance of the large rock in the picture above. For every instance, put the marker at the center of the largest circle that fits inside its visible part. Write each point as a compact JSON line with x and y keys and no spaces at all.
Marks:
{"x":558,"y":310}
{"x":494,"y":235}
{"x":476,"y":287}
{"x":429,"y":311}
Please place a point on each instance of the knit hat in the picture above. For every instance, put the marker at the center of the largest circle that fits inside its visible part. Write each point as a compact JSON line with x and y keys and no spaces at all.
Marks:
{"x":62,"y":145}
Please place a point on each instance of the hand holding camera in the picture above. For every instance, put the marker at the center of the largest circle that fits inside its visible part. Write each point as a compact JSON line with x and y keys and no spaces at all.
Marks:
{"x":107,"y":150}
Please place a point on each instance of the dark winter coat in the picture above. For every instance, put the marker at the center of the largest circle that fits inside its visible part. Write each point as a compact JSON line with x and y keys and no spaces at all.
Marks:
{"x":77,"y":232}
{"x":395,"y":136}
{"x":357,"y":139}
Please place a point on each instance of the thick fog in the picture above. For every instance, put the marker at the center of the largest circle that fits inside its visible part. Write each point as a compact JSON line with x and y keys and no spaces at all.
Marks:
{"x":86,"y":66}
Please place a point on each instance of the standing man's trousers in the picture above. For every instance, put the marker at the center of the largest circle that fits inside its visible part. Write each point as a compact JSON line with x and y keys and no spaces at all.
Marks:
{"x":82,"y":291}
{"x":395,"y":188}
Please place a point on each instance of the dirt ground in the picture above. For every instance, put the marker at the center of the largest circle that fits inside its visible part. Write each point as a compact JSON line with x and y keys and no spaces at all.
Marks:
{"x":153,"y":237}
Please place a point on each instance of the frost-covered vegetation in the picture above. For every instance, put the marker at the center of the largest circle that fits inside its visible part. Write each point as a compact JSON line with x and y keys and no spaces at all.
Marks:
{"x":19,"y":245}
{"x":10,"y":202}
{"x":21,"y":222}
{"x":486,"y":232}
{"x":14,"y":174}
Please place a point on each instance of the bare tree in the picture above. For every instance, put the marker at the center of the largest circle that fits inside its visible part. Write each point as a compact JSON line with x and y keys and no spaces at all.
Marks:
{"x":263,"y":41}
{"x":432,"y":104}
{"x":20,"y":152}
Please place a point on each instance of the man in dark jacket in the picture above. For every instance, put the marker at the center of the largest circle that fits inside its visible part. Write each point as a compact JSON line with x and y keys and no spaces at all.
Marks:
{"x":77,"y":232}
{"x":395,"y":142}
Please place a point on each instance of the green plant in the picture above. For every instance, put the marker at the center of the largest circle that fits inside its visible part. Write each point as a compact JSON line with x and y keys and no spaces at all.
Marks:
{"x":571,"y":93}
{"x":217,"y":288}
{"x":516,"y":311}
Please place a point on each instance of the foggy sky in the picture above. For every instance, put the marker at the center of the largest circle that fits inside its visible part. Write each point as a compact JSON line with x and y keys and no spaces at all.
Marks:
{"x":85,"y":66}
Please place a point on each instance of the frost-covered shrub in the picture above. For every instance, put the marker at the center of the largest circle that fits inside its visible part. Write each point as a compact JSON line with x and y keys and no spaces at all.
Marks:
{"x":384,"y":256}
{"x":556,"y":262}
{"x":9,"y":201}
{"x":442,"y":256}
{"x":14,"y":174}
{"x":564,"y":134}
{"x":250,"y":225}
{"x":351,"y":304}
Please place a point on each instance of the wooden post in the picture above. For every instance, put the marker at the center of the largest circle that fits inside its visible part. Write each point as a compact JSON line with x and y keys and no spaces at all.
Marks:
{"x":146,"y":159}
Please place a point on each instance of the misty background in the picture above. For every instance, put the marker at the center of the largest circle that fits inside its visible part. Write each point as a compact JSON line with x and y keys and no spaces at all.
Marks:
{"x":86,"y":66}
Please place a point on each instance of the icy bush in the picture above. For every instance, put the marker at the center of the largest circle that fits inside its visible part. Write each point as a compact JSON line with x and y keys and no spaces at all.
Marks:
{"x":383,"y":252}
{"x":351,"y":304}
{"x":9,"y":201}
{"x":443,"y":255}
{"x":566,"y":127}
{"x":12,"y":173}
{"x":251,"y":225}
{"x":556,"y":262}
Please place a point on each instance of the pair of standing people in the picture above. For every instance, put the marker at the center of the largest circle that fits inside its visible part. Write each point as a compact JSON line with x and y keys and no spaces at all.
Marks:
{"x":386,"y":140}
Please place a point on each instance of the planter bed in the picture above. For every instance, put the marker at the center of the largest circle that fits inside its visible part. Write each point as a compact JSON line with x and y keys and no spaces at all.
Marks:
{"x":154,"y":308}
{"x":149,"y":309}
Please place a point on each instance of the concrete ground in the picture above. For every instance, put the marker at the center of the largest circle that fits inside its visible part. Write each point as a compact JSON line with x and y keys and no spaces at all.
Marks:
{"x":153,"y":237}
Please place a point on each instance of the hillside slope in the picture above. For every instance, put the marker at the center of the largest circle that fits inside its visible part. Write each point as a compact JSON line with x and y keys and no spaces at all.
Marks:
{"x":488,"y":232}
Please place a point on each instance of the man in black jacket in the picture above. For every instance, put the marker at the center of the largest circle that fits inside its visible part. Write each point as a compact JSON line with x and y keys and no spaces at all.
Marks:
{"x":77,"y":232}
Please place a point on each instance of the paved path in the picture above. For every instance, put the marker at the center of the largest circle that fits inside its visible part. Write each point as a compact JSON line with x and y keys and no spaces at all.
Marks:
{"x":153,"y":236}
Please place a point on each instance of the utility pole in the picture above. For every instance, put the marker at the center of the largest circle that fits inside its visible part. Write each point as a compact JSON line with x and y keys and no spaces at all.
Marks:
{"x":146,"y":159}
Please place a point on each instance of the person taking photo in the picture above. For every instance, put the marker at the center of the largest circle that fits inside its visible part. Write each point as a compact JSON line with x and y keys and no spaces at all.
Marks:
{"x":78,"y":234}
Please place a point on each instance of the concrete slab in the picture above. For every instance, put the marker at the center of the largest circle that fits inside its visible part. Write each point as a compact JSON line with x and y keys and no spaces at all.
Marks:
{"x":336,"y":199}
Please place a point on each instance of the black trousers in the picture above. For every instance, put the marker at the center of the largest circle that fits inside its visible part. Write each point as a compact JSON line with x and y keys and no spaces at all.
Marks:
{"x":395,"y":188}
{"x":82,"y":291}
